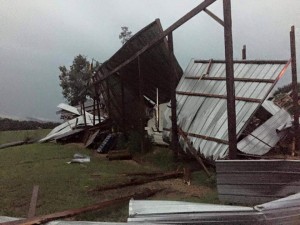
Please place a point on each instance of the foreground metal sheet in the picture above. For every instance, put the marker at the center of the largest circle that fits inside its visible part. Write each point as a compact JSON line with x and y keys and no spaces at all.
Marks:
{"x":176,"y":212}
{"x":201,"y":100}
{"x":265,"y":137}
{"x":257,"y":181}
{"x":283,"y":211}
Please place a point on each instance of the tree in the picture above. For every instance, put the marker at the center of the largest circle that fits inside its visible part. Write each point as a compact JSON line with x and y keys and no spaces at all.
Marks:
{"x":285,"y":89}
{"x":125,"y":35}
{"x":74,"y":82}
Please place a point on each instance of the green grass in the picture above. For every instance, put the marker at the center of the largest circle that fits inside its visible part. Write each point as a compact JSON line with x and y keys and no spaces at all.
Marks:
{"x":62,"y":186}
{"x":21,"y":135}
{"x":65,"y":186}
{"x":161,"y":158}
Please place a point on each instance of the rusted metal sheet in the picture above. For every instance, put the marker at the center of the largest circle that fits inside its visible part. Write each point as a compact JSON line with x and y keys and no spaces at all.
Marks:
{"x":203,"y":114}
{"x":153,"y":69}
{"x":257,"y":181}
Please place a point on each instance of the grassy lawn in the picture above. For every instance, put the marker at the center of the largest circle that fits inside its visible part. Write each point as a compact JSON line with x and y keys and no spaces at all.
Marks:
{"x":62,"y":185}
{"x":65,"y":186}
{"x":21,"y":135}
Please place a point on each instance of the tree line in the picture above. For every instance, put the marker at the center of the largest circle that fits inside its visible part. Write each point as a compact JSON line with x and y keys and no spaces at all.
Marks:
{"x":9,"y":124}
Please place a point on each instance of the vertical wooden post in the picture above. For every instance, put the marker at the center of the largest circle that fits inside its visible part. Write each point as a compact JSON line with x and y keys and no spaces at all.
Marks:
{"x":157,"y":110}
{"x":108,"y":99}
{"x":83,"y":111}
{"x":174,"y":141}
{"x":244,"y":52}
{"x":123,"y":105}
{"x":98,"y":108}
{"x":94,"y":110}
{"x":295,"y":88}
{"x":141,"y":108}
{"x":230,"y":80}
{"x":97,"y":99}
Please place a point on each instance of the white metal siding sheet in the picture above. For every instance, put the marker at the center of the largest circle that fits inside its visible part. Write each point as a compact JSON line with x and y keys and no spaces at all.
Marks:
{"x":207,"y":116}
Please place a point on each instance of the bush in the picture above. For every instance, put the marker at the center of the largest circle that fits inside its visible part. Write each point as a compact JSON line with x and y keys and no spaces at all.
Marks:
{"x":135,"y":142}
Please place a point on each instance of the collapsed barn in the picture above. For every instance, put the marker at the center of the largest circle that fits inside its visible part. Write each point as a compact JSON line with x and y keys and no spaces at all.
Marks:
{"x":218,"y":109}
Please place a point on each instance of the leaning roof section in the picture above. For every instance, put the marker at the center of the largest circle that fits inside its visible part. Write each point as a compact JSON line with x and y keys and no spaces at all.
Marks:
{"x":201,"y":98}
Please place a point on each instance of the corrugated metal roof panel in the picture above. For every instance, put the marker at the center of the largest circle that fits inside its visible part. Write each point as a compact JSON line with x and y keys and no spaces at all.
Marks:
{"x":138,"y":207}
{"x":270,"y":107}
{"x":68,"y":108}
{"x":285,"y":211}
{"x":257,"y":181}
{"x":262,"y":139}
{"x":201,"y":100}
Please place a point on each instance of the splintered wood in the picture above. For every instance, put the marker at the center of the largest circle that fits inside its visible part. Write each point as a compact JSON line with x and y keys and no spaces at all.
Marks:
{"x":165,"y":176}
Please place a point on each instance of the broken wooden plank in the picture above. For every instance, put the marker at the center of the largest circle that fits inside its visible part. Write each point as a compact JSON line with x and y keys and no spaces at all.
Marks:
{"x":119,"y":155}
{"x":12,"y":144}
{"x":32,"y":206}
{"x":73,"y":212}
{"x":170,"y":175}
{"x":192,"y":150}
{"x":147,"y":174}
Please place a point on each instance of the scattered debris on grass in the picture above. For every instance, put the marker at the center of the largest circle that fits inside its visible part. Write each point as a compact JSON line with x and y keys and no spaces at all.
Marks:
{"x":73,"y":212}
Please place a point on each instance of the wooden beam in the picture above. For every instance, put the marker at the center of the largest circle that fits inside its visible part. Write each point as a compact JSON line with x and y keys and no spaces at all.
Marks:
{"x":142,"y":106}
{"x":108,"y":99}
{"x":170,"y":29}
{"x":220,"y":141}
{"x":236,"y":79}
{"x":295,"y":88}
{"x":254,"y":100}
{"x":97,"y":98}
{"x":244,"y":52}
{"x":146,"y":174}
{"x":215,"y":17}
{"x":245,"y":61}
{"x":83,"y":111}
{"x":174,"y":136}
{"x":94,"y":111}
{"x":231,"y":111}
{"x":123,"y":106}
{"x":32,"y":207}
{"x":192,"y":150}
{"x":165,"y":176}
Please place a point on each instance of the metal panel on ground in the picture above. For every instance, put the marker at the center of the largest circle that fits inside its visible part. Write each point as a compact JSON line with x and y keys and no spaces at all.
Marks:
{"x":285,"y":211}
{"x":201,"y":97}
{"x":257,"y":181}
{"x":177,"y":212}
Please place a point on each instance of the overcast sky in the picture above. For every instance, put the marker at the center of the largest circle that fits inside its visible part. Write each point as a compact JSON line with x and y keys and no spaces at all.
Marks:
{"x":38,"y":36}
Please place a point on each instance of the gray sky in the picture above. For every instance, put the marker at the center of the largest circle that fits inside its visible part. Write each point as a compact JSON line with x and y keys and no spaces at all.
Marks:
{"x":37,"y":36}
